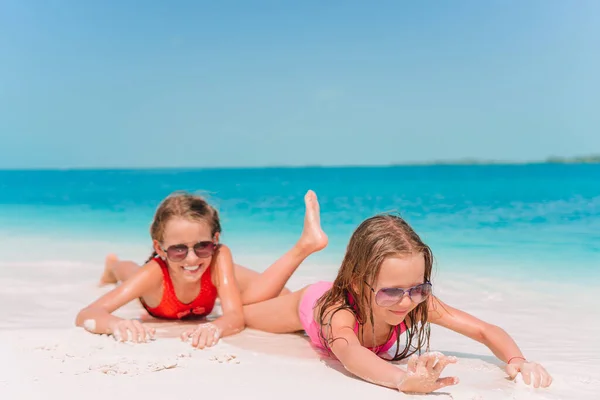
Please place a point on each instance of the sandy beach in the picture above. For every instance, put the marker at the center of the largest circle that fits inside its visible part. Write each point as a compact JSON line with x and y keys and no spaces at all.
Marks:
{"x":46,"y":356}
{"x":473,"y":121}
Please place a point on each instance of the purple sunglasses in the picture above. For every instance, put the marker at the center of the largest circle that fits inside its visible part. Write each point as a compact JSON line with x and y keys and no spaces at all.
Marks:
{"x":387,"y":297}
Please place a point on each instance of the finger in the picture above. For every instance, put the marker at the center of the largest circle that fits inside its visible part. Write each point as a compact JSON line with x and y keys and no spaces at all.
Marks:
{"x":548,"y":380}
{"x":210,"y":338}
{"x":123,"y":333}
{"x":422,"y":363}
{"x":545,"y":378}
{"x":526,"y":376}
{"x":203,"y":338}
{"x":141,"y":331}
{"x":196,"y":337}
{"x":431,"y":360}
{"x":134,"y":332}
{"x":116,"y":332}
{"x":412,"y":363}
{"x":215,"y":338}
{"x":150,"y":332}
{"x":537,"y":379}
{"x":512,"y":371}
{"x":443,"y":363}
{"x":185,"y":336}
{"x":447,"y":381}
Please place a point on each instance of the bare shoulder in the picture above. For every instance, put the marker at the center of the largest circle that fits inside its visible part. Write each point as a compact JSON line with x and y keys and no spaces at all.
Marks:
{"x":336,"y":317}
{"x":338,"y":328}
{"x":434,"y":311}
{"x":221,"y":264}
{"x":151,"y":272}
{"x":223,"y":255}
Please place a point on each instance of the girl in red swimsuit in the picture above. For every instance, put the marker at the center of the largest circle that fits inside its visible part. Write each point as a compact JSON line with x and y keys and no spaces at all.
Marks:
{"x":188,"y":270}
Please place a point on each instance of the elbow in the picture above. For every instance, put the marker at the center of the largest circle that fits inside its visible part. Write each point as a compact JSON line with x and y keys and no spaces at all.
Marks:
{"x":83,"y":316}
{"x":239,"y":323}
{"x":487,"y":332}
{"x":80,"y":318}
{"x":235,"y":325}
{"x":342,"y":351}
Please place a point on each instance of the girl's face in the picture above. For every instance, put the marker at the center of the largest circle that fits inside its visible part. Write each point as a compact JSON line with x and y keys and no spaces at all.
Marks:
{"x":401,"y":272}
{"x":187,"y":247}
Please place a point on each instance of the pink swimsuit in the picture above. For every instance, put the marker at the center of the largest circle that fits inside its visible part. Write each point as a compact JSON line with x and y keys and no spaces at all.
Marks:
{"x":306,"y":310}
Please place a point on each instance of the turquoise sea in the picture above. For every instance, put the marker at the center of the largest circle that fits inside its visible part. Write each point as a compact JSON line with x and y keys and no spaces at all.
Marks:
{"x":536,"y":221}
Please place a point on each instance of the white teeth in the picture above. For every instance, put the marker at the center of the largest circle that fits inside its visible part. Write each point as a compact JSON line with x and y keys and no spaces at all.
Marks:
{"x":191,"y":268}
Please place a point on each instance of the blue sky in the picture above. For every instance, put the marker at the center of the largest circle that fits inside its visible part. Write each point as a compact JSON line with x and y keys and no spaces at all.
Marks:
{"x":252,"y":83}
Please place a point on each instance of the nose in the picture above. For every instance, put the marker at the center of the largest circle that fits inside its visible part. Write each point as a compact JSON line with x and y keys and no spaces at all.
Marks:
{"x":191,"y":258}
{"x":405,"y":300}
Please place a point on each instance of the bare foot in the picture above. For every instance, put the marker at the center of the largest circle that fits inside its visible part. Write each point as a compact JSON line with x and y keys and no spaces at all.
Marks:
{"x":108,"y":276}
{"x":313,"y":238}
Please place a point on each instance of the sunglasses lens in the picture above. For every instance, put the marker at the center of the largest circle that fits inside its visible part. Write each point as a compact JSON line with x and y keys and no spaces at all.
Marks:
{"x":177,"y":252}
{"x":388,"y":297}
{"x":204,"y":249}
{"x":418,"y":294}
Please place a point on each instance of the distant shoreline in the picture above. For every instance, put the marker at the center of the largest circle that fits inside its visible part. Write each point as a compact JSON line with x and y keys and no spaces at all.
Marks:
{"x":592,"y":159}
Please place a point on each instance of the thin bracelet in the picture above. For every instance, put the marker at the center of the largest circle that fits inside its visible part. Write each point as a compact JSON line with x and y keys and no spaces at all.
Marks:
{"x":512,"y":358}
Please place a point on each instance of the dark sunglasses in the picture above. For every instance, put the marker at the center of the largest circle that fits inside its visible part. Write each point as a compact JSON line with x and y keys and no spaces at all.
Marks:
{"x":178,"y":252}
{"x":387,"y":297}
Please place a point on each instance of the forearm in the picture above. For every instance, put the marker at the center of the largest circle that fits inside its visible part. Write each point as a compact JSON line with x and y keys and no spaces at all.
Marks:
{"x":96,"y":320}
{"x":500,"y":343}
{"x":368,"y":366}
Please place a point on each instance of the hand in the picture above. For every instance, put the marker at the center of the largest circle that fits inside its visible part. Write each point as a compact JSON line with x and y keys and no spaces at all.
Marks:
{"x":530,"y":371}
{"x":204,"y":335}
{"x":423,"y":373}
{"x":125,"y":330}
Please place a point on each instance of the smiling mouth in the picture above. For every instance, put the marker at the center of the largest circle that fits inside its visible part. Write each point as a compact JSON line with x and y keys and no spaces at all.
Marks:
{"x":191,"y":268}
{"x":399,"y":312}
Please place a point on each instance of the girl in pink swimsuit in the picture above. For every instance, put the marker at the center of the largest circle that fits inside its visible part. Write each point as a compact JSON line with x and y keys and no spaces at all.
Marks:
{"x":382,"y":292}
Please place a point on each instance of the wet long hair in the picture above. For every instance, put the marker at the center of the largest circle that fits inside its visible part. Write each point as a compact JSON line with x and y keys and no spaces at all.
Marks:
{"x":375,"y":239}
{"x":183,"y":205}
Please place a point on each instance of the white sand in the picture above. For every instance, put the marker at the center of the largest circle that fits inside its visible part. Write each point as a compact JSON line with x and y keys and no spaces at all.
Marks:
{"x":45,"y":356}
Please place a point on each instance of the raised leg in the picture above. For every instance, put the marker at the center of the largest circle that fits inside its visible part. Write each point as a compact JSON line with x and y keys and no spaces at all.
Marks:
{"x":116,"y":270}
{"x":271,"y":283}
{"x":245,"y":277}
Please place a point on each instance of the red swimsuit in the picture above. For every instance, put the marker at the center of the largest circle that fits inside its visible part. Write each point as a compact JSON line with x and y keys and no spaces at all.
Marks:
{"x":171,"y":308}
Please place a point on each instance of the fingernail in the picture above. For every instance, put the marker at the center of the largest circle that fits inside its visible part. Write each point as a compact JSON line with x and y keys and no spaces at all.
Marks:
{"x":456,"y":381}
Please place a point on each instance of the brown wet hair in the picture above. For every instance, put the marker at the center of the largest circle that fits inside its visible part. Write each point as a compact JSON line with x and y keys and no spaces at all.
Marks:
{"x":375,"y":239}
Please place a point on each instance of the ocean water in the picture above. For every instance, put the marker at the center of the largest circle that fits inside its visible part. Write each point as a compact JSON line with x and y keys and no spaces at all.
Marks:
{"x":539,"y":222}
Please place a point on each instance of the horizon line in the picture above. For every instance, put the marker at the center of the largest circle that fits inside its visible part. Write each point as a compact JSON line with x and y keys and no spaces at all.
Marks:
{"x":590,"y":159}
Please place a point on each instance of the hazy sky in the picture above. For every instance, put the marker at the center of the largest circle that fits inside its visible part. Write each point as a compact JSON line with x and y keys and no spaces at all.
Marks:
{"x":246,"y":83}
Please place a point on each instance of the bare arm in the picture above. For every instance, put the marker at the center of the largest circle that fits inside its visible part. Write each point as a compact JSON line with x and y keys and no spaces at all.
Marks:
{"x":357,"y":359}
{"x":495,"y":338}
{"x":422,"y":374}
{"x":232,"y":320}
{"x":97,"y":317}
